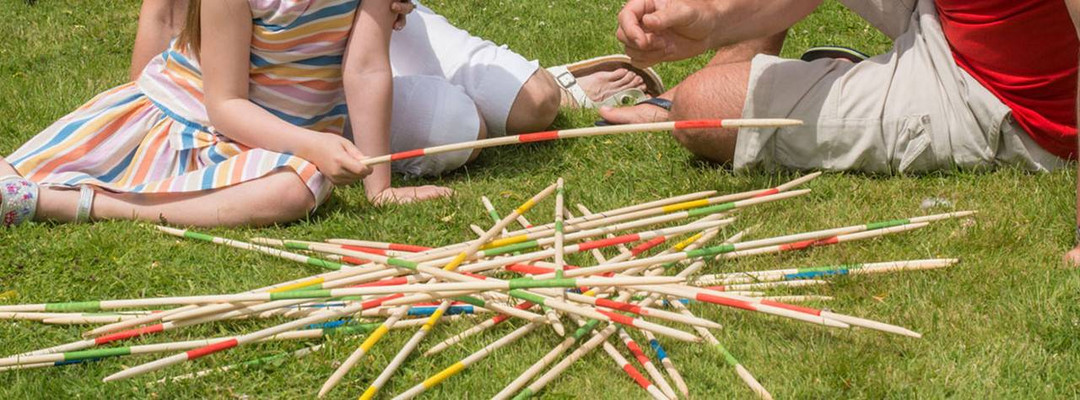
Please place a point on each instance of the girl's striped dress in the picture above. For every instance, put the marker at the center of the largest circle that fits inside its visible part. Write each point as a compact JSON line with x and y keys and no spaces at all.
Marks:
{"x":154,"y":136}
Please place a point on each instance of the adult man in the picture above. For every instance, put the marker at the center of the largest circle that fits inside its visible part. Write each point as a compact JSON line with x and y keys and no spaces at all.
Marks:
{"x":967,"y":85}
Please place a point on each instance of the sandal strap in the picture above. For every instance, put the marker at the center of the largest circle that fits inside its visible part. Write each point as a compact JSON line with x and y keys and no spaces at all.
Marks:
{"x":624,"y":97}
{"x":568,"y":82}
{"x":86,"y":204}
{"x":18,"y":200}
{"x":658,"y":102}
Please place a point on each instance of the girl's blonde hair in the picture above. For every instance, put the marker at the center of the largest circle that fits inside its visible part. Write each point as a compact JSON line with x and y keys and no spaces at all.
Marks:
{"x":191,"y":35}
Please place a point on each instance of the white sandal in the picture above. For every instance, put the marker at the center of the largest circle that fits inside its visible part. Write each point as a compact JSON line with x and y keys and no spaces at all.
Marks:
{"x":18,"y":200}
{"x":566,"y":76}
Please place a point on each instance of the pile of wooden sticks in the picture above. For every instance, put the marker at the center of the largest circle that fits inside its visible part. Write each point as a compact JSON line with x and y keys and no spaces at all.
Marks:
{"x":650,"y":260}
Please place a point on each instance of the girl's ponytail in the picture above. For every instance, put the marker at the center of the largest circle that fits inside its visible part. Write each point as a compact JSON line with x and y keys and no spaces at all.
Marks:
{"x":191,"y":36}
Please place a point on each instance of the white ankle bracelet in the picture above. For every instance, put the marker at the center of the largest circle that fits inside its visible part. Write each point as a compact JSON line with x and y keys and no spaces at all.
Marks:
{"x":86,"y":203}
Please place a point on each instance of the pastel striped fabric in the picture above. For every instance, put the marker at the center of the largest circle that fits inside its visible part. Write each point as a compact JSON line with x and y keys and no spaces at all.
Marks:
{"x":154,"y":136}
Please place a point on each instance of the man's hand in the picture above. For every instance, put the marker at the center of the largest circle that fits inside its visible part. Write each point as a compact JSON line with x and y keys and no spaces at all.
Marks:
{"x":654,"y":31}
{"x":404,"y":195}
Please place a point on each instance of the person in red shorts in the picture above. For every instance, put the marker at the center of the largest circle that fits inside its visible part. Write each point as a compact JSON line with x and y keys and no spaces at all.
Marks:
{"x":968,"y":85}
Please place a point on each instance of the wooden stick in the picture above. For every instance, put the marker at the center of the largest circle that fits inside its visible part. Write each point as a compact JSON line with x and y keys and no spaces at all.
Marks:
{"x":729,"y":251}
{"x":404,"y":353}
{"x":552,"y":355}
{"x":560,"y":262}
{"x":581,"y":132}
{"x":815,"y":272}
{"x":381,"y":245}
{"x":765,"y":285}
{"x":551,"y":315}
{"x":629,"y":369}
{"x":673,"y":204}
{"x":499,"y":285}
{"x":464,"y":363}
{"x":174,"y":346}
{"x":743,"y":373}
{"x":635,"y":350}
{"x":359,"y":353}
{"x":455,"y":263}
{"x":498,"y":319}
{"x":238,"y":341}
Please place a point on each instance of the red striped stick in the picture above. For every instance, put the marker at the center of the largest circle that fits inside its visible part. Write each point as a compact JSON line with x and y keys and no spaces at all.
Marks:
{"x":380,"y":245}
{"x":582,"y":132}
{"x":634,"y":374}
{"x":642,"y":359}
{"x":237,"y":341}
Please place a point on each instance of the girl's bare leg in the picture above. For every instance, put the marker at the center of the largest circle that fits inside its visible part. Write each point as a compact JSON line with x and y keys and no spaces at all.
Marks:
{"x":276,"y":198}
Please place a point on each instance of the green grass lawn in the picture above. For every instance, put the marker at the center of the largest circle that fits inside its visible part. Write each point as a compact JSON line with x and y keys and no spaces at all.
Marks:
{"x":1002,"y":324}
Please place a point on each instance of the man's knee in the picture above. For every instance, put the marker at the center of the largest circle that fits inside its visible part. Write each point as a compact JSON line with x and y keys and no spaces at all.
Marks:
{"x":536,"y":105}
{"x":708,"y":94}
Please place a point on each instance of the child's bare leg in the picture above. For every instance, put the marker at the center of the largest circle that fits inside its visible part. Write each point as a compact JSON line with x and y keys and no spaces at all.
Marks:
{"x":275,"y":198}
{"x":538,"y":101}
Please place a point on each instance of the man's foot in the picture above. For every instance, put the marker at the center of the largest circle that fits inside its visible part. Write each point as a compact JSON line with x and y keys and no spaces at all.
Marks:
{"x":638,"y":114}
{"x":600,"y":85}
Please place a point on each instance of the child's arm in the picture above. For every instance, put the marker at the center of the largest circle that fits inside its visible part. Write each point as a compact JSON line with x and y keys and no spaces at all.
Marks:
{"x":225,"y":59}
{"x":159,"y":22}
{"x":369,"y":94}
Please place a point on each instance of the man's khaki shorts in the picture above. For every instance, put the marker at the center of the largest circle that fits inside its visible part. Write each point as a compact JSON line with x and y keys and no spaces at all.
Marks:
{"x":909,"y":110}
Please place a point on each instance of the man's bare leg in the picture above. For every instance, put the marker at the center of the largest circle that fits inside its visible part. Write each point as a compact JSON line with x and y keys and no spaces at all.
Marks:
{"x":737,"y":53}
{"x":276,"y":198}
{"x":714,"y":92}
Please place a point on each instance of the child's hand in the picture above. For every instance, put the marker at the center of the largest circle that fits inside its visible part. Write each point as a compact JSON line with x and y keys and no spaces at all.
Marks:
{"x":401,"y":8}
{"x":339,"y":159}
{"x":403,"y":195}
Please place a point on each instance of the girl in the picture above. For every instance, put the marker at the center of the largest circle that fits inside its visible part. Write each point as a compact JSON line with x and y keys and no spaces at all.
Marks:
{"x":243,"y":128}
{"x":451,"y":86}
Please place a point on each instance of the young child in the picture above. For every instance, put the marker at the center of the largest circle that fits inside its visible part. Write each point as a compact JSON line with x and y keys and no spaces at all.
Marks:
{"x":243,"y":129}
{"x":451,"y":86}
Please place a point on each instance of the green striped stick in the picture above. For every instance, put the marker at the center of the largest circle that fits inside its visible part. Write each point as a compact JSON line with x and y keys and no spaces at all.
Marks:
{"x":552,"y":317}
{"x":499,"y":285}
{"x":450,"y":266}
{"x":740,"y":370}
{"x":601,"y":336}
{"x":175,"y":346}
{"x":822,"y":271}
{"x":660,"y":207}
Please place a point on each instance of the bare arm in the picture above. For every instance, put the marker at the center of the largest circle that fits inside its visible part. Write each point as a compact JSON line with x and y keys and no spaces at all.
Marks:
{"x":1074,"y":12}
{"x":159,"y":22}
{"x":225,"y":64}
{"x":369,"y":86}
{"x":667,"y":30}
